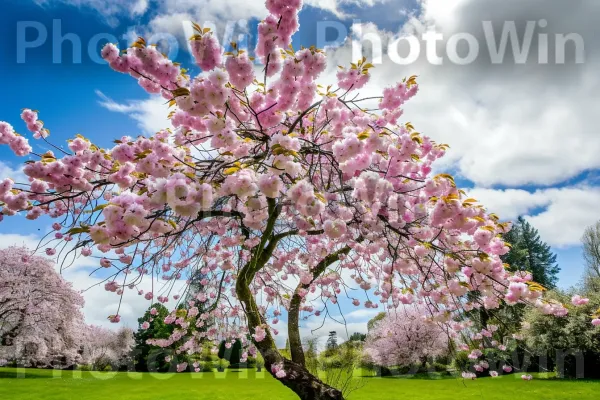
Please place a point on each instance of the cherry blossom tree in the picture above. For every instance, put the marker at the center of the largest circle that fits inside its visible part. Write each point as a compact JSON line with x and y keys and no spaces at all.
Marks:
{"x":281,"y":193}
{"x":405,"y":336}
{"x":103,"y":347}
{"x":41,"y":322}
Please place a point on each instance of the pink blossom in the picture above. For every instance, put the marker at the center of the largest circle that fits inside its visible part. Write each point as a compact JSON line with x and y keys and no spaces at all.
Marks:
{"x":259,"y":334}
{"x":182,"y":367}
{"x":277,"y":370}
{"x":577,"y":300}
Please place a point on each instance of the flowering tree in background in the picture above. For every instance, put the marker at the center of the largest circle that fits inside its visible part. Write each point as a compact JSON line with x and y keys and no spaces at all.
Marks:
{"x":404,"y":337}
{"x":41,"y":322}
{"x":273,"y":189}
{"x":103,"y":347}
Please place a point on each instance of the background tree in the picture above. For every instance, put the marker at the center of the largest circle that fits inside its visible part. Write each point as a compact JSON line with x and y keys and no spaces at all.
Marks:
{"x":591,"y":256}
{"x":231,"y":351}
{"x":358,"y":337}
{"x":104,"y":348}
{"x":565,"y":341}
{"x":151,"y":325}
{"x":41,"y":323}
{"x":263,"y":178}
{"x":403,"y":338}
{"x":530,"y":253}
{"x":312,"y":355}
{"x":331,"y":345}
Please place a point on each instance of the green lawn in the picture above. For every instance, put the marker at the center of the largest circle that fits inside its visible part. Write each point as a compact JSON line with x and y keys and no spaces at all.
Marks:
{"x":234,"y":385}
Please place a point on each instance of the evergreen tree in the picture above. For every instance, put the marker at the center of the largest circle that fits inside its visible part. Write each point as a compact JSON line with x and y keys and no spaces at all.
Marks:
{"x":287,"y":346}
{"x":146,"y":357}
{"x":332,"y":343}
{"x":232,"y":354}
{"x":530,"y":253}
{"x":358,"y":337}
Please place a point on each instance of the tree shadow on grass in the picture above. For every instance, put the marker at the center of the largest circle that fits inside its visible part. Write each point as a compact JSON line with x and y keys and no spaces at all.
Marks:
{"x":15,"y":375}
{"x":427,"y":377}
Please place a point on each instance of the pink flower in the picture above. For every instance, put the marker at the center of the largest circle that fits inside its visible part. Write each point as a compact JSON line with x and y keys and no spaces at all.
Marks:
{"x":493,"y":374}
{"x":277,"y":370}
{"x":507,"y":368}
{"x":577,"y":300}
{"x":596,"y":322}
{"x":469,"y":375}
{"x":105,"y":263}
{"x":259,"y":334}
{"x":526,"y":377}
{"x":145,"y":325}
{"x":182,"y":367}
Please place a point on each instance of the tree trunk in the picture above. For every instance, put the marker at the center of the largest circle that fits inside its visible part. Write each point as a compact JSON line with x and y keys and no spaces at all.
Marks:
{"x":298,"y":378}
{"x":306,"y":385}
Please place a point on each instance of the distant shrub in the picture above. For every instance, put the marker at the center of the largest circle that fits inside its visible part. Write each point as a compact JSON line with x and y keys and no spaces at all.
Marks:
{"x":461,"y":361}
{"x":207,"y":366}
{"x":439,"y":367}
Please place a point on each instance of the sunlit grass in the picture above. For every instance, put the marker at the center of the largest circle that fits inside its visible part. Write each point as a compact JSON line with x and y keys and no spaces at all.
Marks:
{"x":245,"y":385}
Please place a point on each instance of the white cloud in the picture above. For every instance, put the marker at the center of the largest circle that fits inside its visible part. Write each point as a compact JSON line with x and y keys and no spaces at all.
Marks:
{"x":565,"y":212}
{"x":362,"y":314}
{"x":111,"y":9}
{"x":17,"y":175}
{"x":12,"y":239}
{"x":150,"y":114}
{"x":336,"y":7}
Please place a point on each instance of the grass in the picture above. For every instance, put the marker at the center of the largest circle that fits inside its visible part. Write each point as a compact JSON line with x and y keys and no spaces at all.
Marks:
{"x":245,"y":385}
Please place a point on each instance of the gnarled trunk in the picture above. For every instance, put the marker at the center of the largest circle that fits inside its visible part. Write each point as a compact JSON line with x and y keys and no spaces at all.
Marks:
{"x":298,"y":378}
{"x":306,"y":385}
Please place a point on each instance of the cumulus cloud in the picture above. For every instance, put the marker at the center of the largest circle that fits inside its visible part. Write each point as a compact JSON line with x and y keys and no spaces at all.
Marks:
{"x":17,"y":175}
{"x":560,"y":214}
{"x":150,"y":114}
{"x":110,"y":9}
{"x":340,"y":8}
{"x":11,"y":239}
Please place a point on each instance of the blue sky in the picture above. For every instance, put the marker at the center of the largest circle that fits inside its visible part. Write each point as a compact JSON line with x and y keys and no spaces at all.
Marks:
{"x":507,"y":144}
